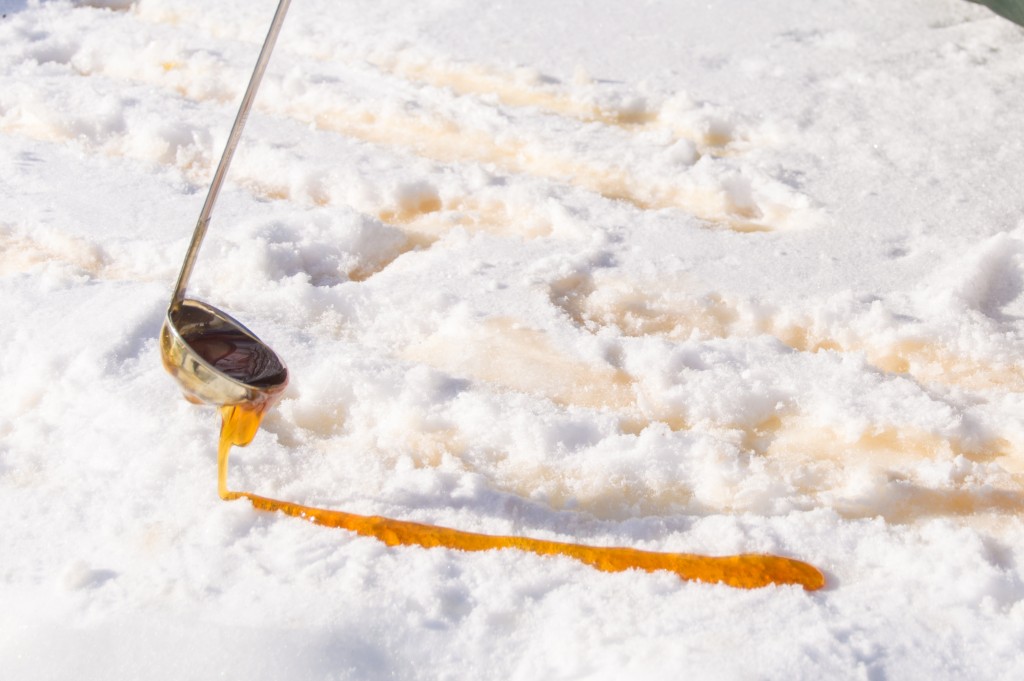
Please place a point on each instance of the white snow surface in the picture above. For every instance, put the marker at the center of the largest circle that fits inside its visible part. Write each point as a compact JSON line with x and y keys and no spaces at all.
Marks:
{"x":714,"y":276}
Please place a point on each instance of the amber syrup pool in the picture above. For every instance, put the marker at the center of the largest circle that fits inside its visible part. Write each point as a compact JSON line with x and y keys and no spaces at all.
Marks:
{"x":747,"y":571}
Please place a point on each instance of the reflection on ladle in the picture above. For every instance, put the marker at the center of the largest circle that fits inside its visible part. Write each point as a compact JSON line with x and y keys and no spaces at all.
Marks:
{"x":218,"y":361}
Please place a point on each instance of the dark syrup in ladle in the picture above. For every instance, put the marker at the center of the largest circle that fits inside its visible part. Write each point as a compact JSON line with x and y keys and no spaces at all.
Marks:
{"x":238,"y":355}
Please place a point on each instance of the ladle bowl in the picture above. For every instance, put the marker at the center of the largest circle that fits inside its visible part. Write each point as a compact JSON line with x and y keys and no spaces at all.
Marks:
{"x":216,"y":359}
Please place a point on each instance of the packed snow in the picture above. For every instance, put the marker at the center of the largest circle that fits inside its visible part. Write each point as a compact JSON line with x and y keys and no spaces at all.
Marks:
{"x":716,"y":277}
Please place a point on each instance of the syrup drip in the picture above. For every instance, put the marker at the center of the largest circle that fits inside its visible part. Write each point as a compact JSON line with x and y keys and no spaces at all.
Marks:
{"x":746,"y":571}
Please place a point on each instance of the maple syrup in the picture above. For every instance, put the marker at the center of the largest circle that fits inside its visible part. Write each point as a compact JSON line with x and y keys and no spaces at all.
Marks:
{"x":748,"y":571}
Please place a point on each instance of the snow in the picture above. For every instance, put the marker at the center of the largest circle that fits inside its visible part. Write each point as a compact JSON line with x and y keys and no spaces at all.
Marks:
{"x":713,"y":277}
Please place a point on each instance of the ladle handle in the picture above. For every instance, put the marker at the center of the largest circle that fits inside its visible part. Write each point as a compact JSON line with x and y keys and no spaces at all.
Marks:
{"x":229,"y":152}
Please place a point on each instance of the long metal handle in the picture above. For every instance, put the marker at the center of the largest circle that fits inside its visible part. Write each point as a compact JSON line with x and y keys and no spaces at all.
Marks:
{"x":229,"y":152}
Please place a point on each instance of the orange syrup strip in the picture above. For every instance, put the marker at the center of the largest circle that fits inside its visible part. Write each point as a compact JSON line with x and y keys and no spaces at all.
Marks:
{"x":745,"y":571}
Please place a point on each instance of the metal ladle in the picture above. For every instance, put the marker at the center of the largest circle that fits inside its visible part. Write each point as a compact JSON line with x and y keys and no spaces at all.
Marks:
{"x":215,"y":358}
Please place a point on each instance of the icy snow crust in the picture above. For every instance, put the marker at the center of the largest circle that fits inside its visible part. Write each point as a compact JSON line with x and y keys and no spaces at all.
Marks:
{"x":715,"y":277}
